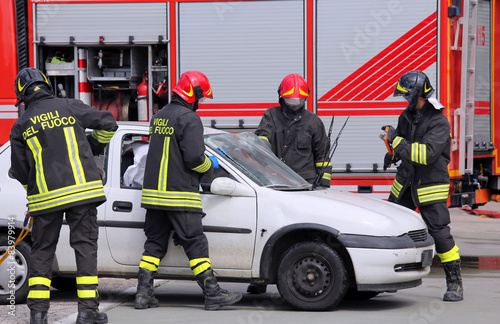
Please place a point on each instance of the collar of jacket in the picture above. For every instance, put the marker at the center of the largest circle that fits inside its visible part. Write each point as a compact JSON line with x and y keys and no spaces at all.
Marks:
{"x":36,"y":96}
{"x":290,"y":115}
{"x":178,"y":100}
{"x":419,"y":114}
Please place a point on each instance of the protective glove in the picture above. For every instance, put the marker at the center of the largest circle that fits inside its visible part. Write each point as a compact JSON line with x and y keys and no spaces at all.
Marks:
{"x":215,"y":162}
{"x":387,"y":161}
{"x":391,"y":132}
{"x":324,"y":176}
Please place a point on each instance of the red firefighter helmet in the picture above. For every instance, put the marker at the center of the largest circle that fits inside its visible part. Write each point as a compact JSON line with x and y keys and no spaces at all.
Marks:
{"x":294,"y":91}
{"x":193,"y":86}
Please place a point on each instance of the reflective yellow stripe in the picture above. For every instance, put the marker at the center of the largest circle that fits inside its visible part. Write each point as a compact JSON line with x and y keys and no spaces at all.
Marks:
{"x":199,"y":265}
{"x":87,"y":293}
{"x":39,"y":294}
{"x":89,"y":280}
{"x":433,"y":193}
{"x":39,"y":281}
{"x":288,"y":92}
{"x":149,"y":263}
{"x":171,"y":198}
{"x":36,"y":149}
{"x":204,"y":167}
{"x":419,"y":153}
{"x":327,"y":176}
{"x":449,"y":256}
{"x":151,"y":259}
{"x":264,"y":138}
{"x":66,"y":195}
{"x":396,"y":141}
{"x":320,"y":164}
{"x":396,"y":188}
{"x":74,"y":155}
{"x":148,"y":266}
{"x":102,"y":136}
{"x":162,"y":176}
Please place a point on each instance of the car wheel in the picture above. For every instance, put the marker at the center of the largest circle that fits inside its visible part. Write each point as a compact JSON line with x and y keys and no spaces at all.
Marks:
{"x":14,"y":272}
{"x":354,"y":294}
{"x":63,"y":283}
{"x":312,"y":277}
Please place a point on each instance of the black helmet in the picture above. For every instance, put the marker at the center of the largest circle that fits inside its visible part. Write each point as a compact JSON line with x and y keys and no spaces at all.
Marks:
{"x":411,"y":86}
{"x":27,"y":77}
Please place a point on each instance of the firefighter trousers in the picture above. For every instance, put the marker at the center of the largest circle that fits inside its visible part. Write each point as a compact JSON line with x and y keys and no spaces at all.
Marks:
{"x":84,"y":230}
{"x":437,"y":218}
{"x":188,"y":230}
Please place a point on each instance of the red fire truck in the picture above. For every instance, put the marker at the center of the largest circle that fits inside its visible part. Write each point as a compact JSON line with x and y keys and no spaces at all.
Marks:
{"x":126,"y":55}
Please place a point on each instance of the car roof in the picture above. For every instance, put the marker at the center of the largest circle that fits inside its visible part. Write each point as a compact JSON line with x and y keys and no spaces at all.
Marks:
{"x":144,"y":125}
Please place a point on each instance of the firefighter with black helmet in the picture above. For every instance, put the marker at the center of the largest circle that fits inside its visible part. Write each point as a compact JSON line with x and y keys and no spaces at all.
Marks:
{"x":170,"y":193}
{"x":422,"y":142}
{"x":53,"y":158}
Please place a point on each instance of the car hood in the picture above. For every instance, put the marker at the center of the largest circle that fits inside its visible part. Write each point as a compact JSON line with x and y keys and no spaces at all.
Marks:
{"x":346,"y":212}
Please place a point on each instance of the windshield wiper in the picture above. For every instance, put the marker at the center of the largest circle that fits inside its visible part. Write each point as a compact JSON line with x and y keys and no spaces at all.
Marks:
{"x":288,"y":187}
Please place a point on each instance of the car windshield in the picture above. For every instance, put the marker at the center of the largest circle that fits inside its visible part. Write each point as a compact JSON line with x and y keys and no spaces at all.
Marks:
{"x":252,"y":156}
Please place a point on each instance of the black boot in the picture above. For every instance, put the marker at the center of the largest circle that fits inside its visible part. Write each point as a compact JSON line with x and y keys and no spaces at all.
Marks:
{"x":38,"y":318}
{"x":91,"y":317}
{"x":145,"y":293}
{"x":215,"y":296}
{"x":454,"y":288}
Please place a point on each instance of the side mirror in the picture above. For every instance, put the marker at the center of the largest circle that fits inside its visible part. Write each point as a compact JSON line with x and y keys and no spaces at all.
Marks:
{"x":228,"y":187}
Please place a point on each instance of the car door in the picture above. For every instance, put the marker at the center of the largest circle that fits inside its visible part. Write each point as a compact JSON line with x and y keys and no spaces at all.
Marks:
{"x":229,"y":223}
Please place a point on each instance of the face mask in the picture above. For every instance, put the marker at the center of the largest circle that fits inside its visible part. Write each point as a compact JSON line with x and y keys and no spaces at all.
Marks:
{"x":294,"y":104}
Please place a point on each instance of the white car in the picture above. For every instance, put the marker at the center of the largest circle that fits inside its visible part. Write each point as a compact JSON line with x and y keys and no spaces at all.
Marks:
{"x":264,"y":224}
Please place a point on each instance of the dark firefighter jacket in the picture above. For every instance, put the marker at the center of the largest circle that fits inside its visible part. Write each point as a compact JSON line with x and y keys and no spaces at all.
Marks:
{"x":423,"y":145}
{"x":175,"y":160}
{"x":52,"y":156}
{"x":300,"y":142}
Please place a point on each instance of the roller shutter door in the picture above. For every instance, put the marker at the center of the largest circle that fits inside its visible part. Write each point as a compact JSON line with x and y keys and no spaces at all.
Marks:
{"x":56,"y":22}
{"x":362,"y":50}
{"x":244,"y":47}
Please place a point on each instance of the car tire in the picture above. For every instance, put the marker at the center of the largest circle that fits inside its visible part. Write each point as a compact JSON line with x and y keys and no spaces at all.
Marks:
{"x":63,"y":283}
{"x":17,"y":281}
{"x":312,"y":277}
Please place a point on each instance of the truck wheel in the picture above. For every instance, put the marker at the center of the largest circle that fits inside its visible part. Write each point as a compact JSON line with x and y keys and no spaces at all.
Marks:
{"x":312,"y":277}
{"x":14,"y":272}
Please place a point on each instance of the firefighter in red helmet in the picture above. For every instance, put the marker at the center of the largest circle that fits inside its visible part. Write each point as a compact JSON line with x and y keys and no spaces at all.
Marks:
{"x":170,"y":192}
{"x":52,"y":157}
{"x":296,"y":136}
{"x":421,"y":142}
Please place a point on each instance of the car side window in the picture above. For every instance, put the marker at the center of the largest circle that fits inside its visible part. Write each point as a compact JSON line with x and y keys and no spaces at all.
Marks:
{"x":134,"y":150}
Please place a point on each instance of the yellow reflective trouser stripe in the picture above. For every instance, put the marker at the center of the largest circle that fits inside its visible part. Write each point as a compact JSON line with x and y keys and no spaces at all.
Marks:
{"x":102,"y":136}
{"x":419,"y":153}
{"x":87,"y":293}
{"x":39,"y":281}
{"x":204,"y":167}
{"x":74,"y":155}
{"x":396,"y":188}
{"x":162,"y":177}
{"x":396,"y":141}
{"x":433,"y":193}
{"x":88,"y":280}
{"x":264,"y":138}
{"x":449,"y":256}
{"x":39,"y":294}
{"x":149,"y":263}
{"x":199,"y":265}
{"x":36,"y":150}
